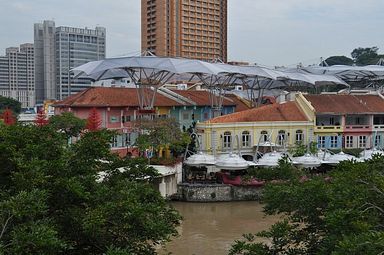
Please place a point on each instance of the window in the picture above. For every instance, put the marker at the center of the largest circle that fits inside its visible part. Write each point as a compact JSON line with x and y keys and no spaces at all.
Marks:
{"x":114,"y":142}
{"x":227,"y":139}
{"x":264,"y":136}
{"x":126,"y":118}
{"x":299,"y":136}
{"x":349,"y":141}
{"x":334,"y":141}
{"x":281,"y":137}
{"x":185,"y":116}
{"x":246,"y":139}
{"x":378,"y":141}
{"x":362,"y":141}
{"x":321,"y":141}
{"x":114,"y":119}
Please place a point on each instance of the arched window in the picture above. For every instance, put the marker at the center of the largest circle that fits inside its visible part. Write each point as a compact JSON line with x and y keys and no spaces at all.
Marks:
{"x":227,"y":139}
{"x":264,"y":136}
{"x":246,"y":139}
{"x":299,"y":136}
{"x":281,"y":137}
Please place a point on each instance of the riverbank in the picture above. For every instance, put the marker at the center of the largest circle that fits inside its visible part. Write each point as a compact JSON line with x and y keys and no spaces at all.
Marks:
{"x":188,"y":192}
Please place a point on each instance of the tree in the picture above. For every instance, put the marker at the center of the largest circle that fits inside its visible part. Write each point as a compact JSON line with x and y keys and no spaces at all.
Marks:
{"x":67,"y":123}
{"x":161,"y":133}
{"x":8,"y":117}
{"x":94,"y":120}
{"x":41,"y":119}
{"x":10,"y":103}
{"x":340,"y":214}
{"x":339,"y":60}
{"x":77,"y":199}
{"x":365,"y":56}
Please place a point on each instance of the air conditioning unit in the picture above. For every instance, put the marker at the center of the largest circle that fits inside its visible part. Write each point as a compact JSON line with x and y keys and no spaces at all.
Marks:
{"x":239,"y":88}
{"x":182,"y":86}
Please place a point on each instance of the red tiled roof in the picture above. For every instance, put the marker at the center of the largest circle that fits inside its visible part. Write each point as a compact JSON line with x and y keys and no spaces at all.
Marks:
{"x":114,"y":97}
{"x":201,"y":97}
{"x":288,"y":111}
{"x":241,"y":104}
{"x":346,"y":104}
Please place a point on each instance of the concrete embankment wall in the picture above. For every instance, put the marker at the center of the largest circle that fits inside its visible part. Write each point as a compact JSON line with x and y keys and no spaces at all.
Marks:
{"x":217,"y":193}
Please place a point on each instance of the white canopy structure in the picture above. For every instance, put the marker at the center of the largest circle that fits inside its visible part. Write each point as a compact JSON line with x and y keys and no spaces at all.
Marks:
{"x":151,"y":72}
{"x":349,"y":73}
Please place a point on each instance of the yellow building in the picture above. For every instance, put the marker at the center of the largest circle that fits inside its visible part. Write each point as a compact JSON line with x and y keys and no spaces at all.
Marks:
{"x":285,"y":124}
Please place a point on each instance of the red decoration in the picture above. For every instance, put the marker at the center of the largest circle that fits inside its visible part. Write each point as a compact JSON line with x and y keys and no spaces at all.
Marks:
{"x":8,"y":117}
{"x":94,"y":120}
{"x":41,"y":119}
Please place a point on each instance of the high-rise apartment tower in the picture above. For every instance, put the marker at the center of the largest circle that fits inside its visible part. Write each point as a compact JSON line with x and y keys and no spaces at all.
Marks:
{"x":17,"y":74}
{"x":185,"y":28}
{"x":57,"y":51}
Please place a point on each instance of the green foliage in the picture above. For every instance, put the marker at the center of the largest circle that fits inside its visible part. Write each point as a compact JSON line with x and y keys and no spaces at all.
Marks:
{"x":10,"y":103}
{"x":366,"y":56}
{"x":343,"y":215}
{"x":67,"y":123}
{"x":339,"y":60}
{"x":300,"y":149}
{"x":162,"y":133}
{"x":54,"y":201}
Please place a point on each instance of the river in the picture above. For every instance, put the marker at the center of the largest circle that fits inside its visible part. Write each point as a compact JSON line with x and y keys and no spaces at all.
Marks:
{"x":211,"y":228}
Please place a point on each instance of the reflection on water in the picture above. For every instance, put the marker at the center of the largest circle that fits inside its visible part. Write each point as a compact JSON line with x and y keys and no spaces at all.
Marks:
{"x":211,"y":228}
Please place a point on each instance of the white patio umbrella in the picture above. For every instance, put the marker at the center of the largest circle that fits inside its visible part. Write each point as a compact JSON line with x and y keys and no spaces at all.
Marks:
{"x":232,"y":162}
{"x":200,"y":159}
{"x":367,"y":154}
{"x":307,"y":161}
{"x":270,"y":159}
{"x":337,"y":158}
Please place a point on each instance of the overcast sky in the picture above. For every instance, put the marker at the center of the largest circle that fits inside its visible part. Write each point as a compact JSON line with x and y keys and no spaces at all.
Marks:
{"x":266,"y":32}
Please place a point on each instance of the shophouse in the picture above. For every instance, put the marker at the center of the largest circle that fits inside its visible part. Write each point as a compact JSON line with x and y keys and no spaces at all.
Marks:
{"x":119,"y":109}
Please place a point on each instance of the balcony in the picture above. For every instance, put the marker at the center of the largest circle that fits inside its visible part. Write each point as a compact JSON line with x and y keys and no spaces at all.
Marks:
{"x":378,"y":127}
{"x":328,"y":129}
{"x":358,"y":128}
{"x":329,"y":124}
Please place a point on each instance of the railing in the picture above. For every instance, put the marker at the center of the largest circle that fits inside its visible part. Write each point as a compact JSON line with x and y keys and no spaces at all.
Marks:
{"x":354,"y":127}
{"x":378,"y":126}
{"x":328,"y":128}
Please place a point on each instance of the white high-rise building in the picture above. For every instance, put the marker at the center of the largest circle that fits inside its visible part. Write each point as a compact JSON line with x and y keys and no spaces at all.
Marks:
{"x":17,"y":74}
{"x":58,"y":50}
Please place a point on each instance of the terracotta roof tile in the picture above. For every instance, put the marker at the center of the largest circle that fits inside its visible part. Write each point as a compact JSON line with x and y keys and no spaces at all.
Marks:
{"x":346,"y":104}
{"x":115,"y":97}
{"x":241,"y":103}
{"x":288,"y":111}
{"x":201,"y":97}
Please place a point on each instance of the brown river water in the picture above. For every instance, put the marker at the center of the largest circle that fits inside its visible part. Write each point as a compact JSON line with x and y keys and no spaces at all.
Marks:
{"x":211,"y":228}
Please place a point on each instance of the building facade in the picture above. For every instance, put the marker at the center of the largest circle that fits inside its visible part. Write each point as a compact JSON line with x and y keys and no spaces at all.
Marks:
{"x":185,"y":28}
{"x":332,"y":121}
{"x":119,"y":110}
{"x":58,"y":50}
{"x":17,"y":72}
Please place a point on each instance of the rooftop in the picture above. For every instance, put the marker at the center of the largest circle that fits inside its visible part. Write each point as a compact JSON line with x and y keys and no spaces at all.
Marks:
{"x":346,"y":104}
{"x":288,"y":111}
{"x":114,"y":97}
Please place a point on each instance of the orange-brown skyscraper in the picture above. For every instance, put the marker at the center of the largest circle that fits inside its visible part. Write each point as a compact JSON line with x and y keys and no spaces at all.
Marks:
{"x":185,"y":28}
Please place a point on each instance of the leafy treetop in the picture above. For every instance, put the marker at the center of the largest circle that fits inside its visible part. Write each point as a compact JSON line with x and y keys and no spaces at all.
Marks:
{"x":54,"y":201}
{"x":10,"y":103}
